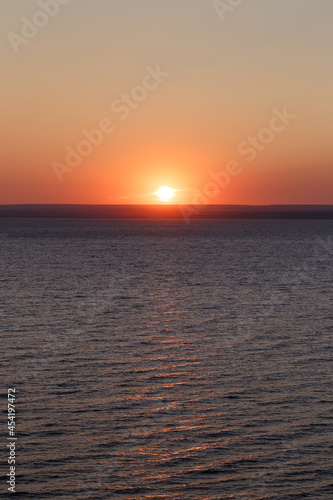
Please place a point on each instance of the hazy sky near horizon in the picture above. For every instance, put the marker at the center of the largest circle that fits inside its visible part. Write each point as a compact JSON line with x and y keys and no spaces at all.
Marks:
{"x":180,"y":90}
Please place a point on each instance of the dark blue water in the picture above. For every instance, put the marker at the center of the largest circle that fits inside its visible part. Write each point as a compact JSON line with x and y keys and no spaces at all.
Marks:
{"x":159,"y":360}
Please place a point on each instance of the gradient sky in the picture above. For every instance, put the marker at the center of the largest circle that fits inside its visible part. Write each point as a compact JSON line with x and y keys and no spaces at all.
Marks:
{"x":225,"y":78}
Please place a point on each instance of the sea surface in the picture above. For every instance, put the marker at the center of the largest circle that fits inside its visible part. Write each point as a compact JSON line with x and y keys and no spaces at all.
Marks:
{"x":165,"y":360}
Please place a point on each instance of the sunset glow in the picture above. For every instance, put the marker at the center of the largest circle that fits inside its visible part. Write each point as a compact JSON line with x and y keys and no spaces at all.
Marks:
{"x":165,"y":193}
{"x":114,"y":128}
{"x":166,"y":223}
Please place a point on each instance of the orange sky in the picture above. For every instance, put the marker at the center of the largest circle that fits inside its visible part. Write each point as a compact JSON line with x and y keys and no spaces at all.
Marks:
{"x":179,"y":91}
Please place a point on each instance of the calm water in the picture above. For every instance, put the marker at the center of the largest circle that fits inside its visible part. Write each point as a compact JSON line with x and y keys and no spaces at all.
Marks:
{"x":159,"y":360}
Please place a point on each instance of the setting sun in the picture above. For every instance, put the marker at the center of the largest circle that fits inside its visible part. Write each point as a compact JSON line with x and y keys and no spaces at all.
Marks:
{"x":165,"y":193}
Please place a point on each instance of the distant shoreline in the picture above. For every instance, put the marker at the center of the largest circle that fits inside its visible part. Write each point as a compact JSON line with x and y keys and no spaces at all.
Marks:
{"x":210,"y":212}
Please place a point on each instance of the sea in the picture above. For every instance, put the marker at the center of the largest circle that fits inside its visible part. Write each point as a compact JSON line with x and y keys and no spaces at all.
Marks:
{"x":167,"y":360}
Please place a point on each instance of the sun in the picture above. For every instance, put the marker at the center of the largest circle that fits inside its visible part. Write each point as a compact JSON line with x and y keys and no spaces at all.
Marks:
{"x":165,"y":193}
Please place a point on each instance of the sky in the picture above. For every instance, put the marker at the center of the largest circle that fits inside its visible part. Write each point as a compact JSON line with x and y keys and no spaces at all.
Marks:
{"x":226,"y":102}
